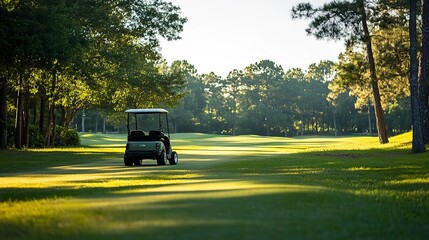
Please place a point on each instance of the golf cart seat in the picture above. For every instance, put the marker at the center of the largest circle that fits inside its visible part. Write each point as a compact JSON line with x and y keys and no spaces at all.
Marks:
{"x":156,"y":133}
{"x":136,"y":136}
{"x":159,"y":136}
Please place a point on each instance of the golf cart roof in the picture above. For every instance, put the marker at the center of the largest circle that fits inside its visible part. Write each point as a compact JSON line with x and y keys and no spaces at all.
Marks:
{"x":147,"y":110}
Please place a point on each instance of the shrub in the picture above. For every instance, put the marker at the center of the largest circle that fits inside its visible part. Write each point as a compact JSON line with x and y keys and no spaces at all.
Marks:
{"x":37,"y":139}
{"x":70,"y":137}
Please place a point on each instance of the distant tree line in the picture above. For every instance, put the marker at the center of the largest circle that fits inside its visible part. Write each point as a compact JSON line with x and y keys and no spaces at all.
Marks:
{"x":265,"y":99}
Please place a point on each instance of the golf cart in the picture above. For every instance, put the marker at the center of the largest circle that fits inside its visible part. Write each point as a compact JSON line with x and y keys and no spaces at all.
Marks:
{"x":146,"y":137}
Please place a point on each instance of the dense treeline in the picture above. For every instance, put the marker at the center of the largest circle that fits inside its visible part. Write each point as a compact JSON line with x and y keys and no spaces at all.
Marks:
{"x":59,"y":56}
{"x":264,"y":99}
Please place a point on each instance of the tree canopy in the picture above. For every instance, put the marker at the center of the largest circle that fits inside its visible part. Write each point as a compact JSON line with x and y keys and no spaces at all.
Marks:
{"x":72,"y":55}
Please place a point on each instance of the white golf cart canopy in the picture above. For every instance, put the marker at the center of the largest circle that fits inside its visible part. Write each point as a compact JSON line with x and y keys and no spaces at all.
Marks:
{"x":147,"y":110}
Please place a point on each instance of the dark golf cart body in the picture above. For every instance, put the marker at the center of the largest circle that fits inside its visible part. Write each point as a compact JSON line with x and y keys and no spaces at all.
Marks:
{"x":146,"y":137}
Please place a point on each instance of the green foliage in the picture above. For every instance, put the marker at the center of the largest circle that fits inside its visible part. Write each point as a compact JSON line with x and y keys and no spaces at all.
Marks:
{"x":390,"y":50}
{"x":36,"y":137}
{"x":87,"y":53}
{"x":67,"y":137}
{"x":334,"y":20}
{"x":8,"y":4}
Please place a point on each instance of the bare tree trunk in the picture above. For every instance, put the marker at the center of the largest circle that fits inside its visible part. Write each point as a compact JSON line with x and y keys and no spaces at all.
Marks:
{"x":42,"y":92}
{"x":83,"y":120}
{"x":54,"y":132}
{"x":418,"y":143}
{"x":379,"y":114}
{"x":317,"y":125}
{"x":25,"y":138}
{"x":63,"y":115}
{"x":369,"y":117}
{"x":424,"y":71}
{"x":34,"y":106}
{"x":3,"y":114}
{"x":18,"y":116}
{"x":50,"y":128}
{"x":234,"y":119}
{"x":324,"y":120}
{"x":335,"y":121}
{"x":96,"y":122}
{"x":104,"y":126}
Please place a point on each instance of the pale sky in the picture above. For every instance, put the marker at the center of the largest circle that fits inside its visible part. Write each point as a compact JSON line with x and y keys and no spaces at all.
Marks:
{"x":223,"y":35}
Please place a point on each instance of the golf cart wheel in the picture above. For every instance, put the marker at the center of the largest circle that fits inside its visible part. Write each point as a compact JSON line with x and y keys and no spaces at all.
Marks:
{"x":127,"y":160}
{"x":161,"y":159}
{"x":174,"y":158}
{"x":137,"y":161}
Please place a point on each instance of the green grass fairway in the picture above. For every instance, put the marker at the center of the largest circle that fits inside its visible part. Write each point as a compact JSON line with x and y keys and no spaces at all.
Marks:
{"x":243,"y":187}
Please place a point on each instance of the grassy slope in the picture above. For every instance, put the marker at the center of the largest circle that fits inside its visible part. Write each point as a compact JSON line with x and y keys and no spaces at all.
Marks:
{"x":244,"y":187}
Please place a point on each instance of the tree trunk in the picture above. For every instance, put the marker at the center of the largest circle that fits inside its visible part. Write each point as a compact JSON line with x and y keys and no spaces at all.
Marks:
{"x":34,"y":108}
{"x":3,"y":114}
{"x":25,"y":138}
{"x":54,"y":132}
{"x":335,"y":121}
{"x":96,"y":122}
{"x":67,"y":117}
{"x":18,"y":116}
{"x":424,"y":72}
{"x":104,"y":126}
{"x":418,"y":142}
{"x":313,"y":122}
{"x":63,"y":115}
{"x":323,"y":121}
{"x":317,"y":125}
{"x":379,"y":114}
{"x":83,"y":120}
{"x":42,"y":92}
{"x":234,"y":118}
{"x":369,"y":117}
{"x":50,"y":127}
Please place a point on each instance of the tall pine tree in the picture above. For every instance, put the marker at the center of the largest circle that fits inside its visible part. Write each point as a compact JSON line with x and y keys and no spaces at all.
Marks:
{"x":346,"y":20}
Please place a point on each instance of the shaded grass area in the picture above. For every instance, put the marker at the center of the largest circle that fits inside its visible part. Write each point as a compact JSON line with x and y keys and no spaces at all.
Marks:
{"x":245,"y":187}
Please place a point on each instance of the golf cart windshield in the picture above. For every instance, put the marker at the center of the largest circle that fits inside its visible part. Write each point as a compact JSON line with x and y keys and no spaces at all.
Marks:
{"x":147,"y":120}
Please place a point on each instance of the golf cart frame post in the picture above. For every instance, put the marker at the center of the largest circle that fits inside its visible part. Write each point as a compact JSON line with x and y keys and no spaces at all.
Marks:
{"x":152,"y":144}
